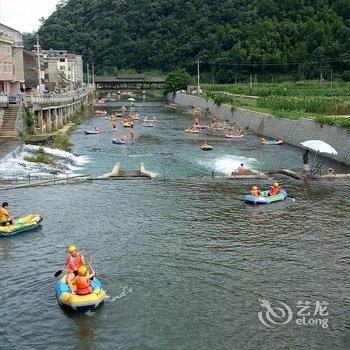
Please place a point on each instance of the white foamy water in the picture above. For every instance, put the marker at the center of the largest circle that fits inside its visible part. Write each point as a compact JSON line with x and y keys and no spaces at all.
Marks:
{"x":14,"y":163}
{"x":227,"y":163}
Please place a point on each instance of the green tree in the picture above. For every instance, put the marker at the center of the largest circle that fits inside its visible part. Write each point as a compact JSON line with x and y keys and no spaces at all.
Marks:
{"x":261,"y":37}
{"x":177,"y":80}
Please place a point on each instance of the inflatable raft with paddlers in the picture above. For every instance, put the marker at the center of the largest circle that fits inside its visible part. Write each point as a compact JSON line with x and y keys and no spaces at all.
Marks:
{"x":92,"y":132}
{"x":271,"y":142}
{"x":119,"y":141}
{"x":80,"y":302}
{"x":127,"y":125}
{"x":23,"y":224}
{"x":263,"y":198}
{"x":200,"y":126}
{"x":206,"y":147}
{"x":192,"y":131}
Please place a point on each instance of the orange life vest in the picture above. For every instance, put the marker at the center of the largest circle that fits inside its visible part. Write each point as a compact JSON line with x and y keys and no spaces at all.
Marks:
{"x":74,"y":263}
{"x":83,"y":285}
{"x":274,"y":191}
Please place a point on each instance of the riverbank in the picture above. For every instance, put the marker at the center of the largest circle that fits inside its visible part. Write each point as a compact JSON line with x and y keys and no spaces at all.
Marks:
{"x":291,"y":131}
{"x":7,"y":146}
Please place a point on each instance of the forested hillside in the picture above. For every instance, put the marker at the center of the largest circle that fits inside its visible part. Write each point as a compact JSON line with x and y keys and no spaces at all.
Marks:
{"x":230,"y":37}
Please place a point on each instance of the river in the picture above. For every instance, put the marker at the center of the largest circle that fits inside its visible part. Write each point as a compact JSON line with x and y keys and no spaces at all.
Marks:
{"x":186,"y":264}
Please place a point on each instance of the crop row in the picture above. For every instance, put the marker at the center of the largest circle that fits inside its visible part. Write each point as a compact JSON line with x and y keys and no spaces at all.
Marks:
{"x":310,"y":104}
{"x":264,"y":90}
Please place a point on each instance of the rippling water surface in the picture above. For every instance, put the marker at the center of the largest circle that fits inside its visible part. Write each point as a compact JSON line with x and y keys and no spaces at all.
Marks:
{"x":184,"y":262}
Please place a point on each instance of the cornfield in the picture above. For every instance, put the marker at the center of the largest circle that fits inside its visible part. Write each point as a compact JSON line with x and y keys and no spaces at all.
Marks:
{"x":265,"y":90}
{"x":310,"y":104}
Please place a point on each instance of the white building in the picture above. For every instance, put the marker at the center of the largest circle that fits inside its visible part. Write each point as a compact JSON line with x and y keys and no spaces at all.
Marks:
{"x":61,"y":67}
{"x":11,"y":60}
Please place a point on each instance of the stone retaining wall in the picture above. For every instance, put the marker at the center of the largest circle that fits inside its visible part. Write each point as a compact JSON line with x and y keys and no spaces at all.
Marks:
{"x":291,"y":131}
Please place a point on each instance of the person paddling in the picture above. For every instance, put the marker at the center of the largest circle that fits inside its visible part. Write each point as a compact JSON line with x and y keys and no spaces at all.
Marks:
{"x":83,"y":280}
{"x":5,"y":218}
{"x":274,"y":190}
{"x":73,"y":261}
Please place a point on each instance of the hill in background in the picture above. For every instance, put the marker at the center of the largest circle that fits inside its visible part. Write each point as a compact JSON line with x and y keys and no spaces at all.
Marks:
{"x":232,"y":38}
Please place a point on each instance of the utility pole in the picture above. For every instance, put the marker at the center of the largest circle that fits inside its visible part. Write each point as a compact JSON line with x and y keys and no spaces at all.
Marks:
{"x":251,"y":81}
{"x":93,"y":74}
{"x":88,"y":73}
{"x":38,"y":62}
{"x":198,"y":76}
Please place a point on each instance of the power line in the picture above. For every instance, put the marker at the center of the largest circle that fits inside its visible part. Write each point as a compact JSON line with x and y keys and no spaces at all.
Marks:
{"x":326,"y":60}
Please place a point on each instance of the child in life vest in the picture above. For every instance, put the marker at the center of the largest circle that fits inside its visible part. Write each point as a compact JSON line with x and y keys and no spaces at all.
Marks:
{"x":83,"y":280}
{"x":73,"y":261}
{"x":274,"y":190}
{"x":255,"y":191}
{"x":5,"y":218}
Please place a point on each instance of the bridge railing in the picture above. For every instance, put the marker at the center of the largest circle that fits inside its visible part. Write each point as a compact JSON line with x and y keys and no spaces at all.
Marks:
{"x":56,"y":100}
{"x":4,"y":100}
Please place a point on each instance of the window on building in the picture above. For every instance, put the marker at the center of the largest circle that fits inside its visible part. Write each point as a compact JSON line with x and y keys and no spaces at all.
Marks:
{"x":46,"y":65}
{"x":46,"y":76}
{"x":62,"y":68}
{"x":6,"y":49}
{"x":62,"y":60}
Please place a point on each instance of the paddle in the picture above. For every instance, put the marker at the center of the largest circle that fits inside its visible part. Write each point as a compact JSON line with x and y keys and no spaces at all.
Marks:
{"x":57,"y":273}
{"x":90,"y":263}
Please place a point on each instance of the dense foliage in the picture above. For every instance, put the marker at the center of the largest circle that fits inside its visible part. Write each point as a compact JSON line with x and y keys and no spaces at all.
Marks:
{"x":231,"y":38}
{"x":177,"y":80}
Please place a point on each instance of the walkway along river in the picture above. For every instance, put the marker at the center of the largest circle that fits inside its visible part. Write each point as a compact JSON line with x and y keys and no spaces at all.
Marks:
{"x":185,"y":262}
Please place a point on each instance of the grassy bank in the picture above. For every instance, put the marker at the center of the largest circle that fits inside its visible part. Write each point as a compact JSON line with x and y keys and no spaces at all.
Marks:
{"x":326,"y":103}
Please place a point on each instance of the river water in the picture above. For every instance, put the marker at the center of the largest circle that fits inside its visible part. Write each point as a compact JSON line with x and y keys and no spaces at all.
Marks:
{"x":186,"y":264}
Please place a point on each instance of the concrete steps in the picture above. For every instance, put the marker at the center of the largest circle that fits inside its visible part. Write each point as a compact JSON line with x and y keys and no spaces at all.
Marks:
{"x":8,"y":127}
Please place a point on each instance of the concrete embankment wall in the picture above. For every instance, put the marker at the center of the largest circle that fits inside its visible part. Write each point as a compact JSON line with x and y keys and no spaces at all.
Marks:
{"x":291,"y":131}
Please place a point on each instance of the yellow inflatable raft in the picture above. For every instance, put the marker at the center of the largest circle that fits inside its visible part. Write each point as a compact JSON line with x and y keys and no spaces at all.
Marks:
{"x":22,"y":224}
{"x":80,"y":302}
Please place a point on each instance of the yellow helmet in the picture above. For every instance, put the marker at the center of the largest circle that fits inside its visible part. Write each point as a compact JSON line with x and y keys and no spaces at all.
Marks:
{"x":82,"y":270}
{"x":275,"y":184}
{"x":72,"y":249}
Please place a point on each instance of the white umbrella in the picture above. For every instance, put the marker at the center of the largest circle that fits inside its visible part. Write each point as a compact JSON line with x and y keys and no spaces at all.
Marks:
{"x":319,"y":146}
{"x":131,"y":99}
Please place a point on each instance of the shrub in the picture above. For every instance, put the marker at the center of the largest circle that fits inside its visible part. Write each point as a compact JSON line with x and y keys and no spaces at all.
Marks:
{"x":61,"y":141}
{"x":41,"y":157}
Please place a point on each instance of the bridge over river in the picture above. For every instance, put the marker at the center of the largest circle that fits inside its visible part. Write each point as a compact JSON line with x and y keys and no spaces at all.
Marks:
{"x":129,"y":82}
